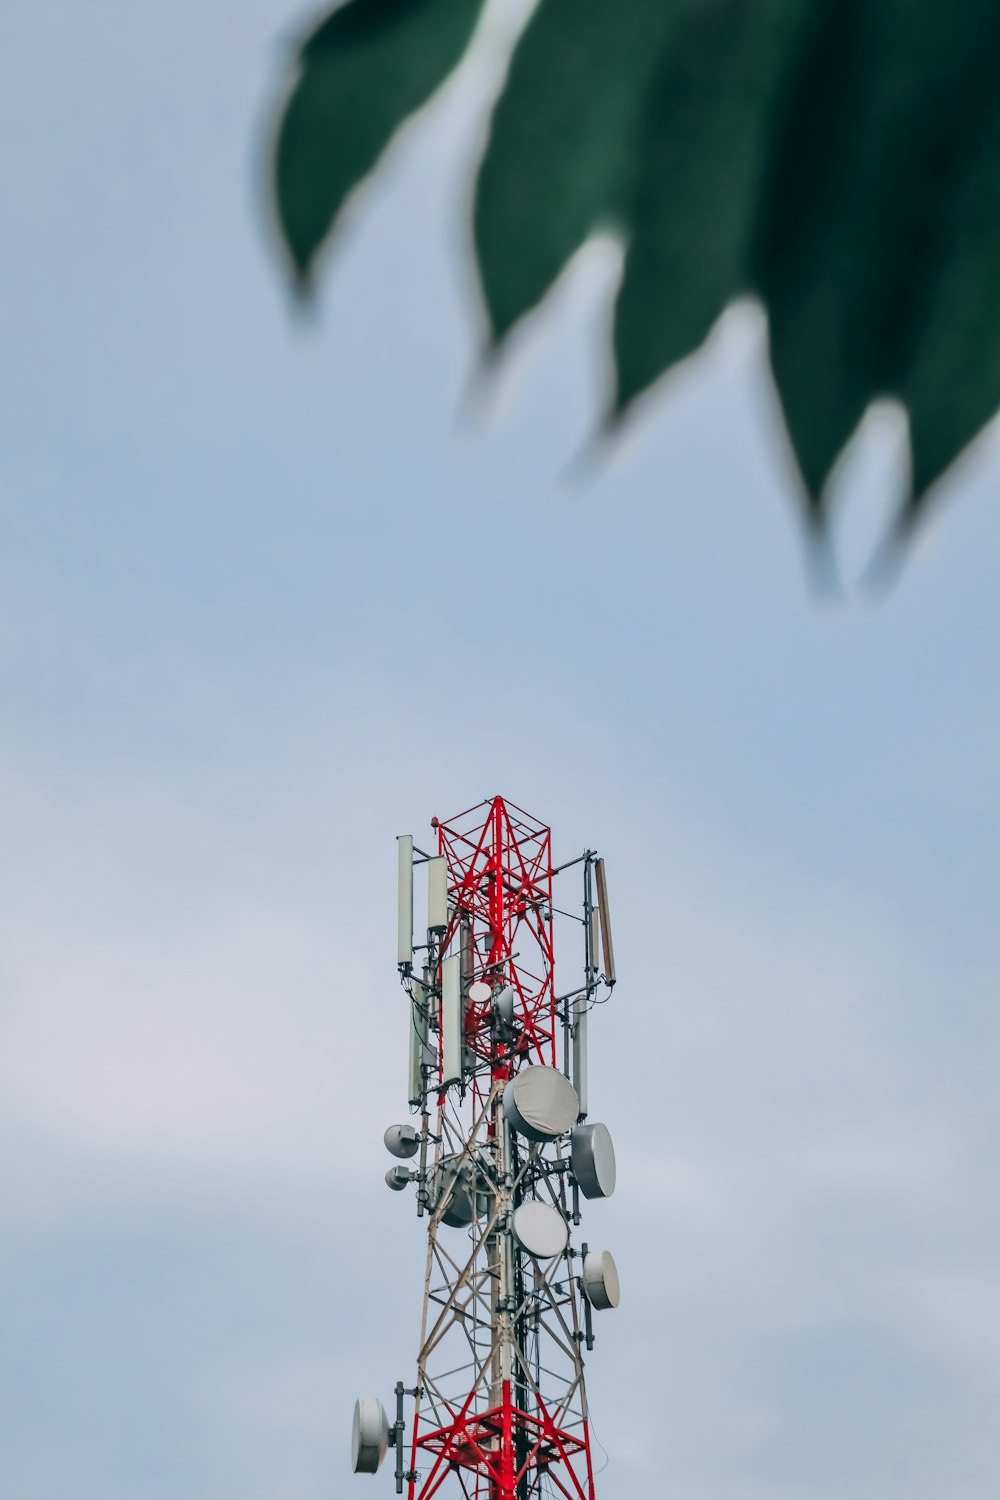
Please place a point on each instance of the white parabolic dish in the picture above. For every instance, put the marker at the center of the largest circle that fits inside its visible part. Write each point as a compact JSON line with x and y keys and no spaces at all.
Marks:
{"x":593,"y":1158}
{"x":541,"y":1230}
{"x":369,"y":1435}
{"x":600,"y":1279}
{"x":402,"y":1140}
{"x":541,"y":1103}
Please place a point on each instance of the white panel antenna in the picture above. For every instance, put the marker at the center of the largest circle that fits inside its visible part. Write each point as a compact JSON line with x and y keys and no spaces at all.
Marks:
{"x":437,"y":894}
{"x":581,"y":1011}
{"x":452,"y":1040}
{"x":420,"y":1051}
{"x":607,"y":944}
{"x":404,"y":936}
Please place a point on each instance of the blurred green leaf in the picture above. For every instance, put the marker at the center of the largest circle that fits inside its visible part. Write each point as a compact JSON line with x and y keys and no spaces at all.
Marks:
{"x":361,"y":73}
{"x":950,"y":382}
{"x":840,"y":159}
{"x":561,"y":144}
{"x":701,"y":158}
{"x":821,"y":356}
{"x":866,"y":170}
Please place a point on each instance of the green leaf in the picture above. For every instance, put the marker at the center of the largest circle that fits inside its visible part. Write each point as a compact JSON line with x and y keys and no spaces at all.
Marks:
{"x":856,"y":216}
{"x":367,"y":67}
{"x":702,"y":157}
{"x":951,"y":383}
{"x":838,"y":158}
{"x":560,"y":145}
{"x":820,"y":351}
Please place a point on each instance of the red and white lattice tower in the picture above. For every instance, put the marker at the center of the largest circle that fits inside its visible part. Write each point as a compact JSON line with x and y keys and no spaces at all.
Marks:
{"x":503,"y":1152}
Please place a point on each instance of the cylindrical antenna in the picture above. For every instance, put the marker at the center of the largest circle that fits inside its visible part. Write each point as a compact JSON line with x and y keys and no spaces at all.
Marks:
{"x":404,"y":937}
{"x":437,"y":894}
{"x":451,"y":1019}
{"x":606,"y":943}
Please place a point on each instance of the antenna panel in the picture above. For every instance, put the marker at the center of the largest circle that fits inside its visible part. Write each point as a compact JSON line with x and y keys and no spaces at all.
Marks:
{"x":606,"y":943}
{"x":404,"y":933}
{"x":437,"y":894}
{"x":451,"y":1019}
{"x":581,"y":1013}
{"x":420,"y":1053}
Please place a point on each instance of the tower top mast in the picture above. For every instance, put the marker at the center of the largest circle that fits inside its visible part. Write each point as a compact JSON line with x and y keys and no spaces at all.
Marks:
{"x":504,"y":1152}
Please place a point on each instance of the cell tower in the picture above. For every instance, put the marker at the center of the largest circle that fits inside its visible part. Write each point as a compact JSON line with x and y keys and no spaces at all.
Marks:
{"x":503,"y":1153}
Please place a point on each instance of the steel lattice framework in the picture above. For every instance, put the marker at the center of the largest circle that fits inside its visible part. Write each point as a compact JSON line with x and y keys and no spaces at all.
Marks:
{"x":500,"y":895}
{"x":500,"y":1400}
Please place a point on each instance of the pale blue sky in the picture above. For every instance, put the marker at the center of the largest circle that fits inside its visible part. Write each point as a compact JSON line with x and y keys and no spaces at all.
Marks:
{"x":268,"y":597}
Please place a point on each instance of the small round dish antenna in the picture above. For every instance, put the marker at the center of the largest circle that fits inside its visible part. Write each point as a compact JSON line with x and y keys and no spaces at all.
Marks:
{"x":397,"y":1178}
{"x":541,"y":1103}
{"x":600,"y":1280}
{"x":593,"y":1158}
{"x":480,"y":992}
{"x":369,"y":1436}
{"x":503,"y":1005}
{"x":402,"y":1141}
{"x":540,"y":1229}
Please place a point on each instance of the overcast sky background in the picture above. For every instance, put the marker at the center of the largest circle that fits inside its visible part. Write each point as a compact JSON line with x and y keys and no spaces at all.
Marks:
{"x":269,"y":597}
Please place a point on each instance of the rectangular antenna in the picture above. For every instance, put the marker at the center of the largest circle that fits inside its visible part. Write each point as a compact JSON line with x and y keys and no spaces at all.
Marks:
{"x":437,"y":894}
{"x":465,"y":947}
{"x":580,"y":1017}
{"x":452,"y":1040}
{"x":433,"y":999}
{"x":404,"y":929}
{"x":606,"y":943}
{"x":419,"y":1050}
